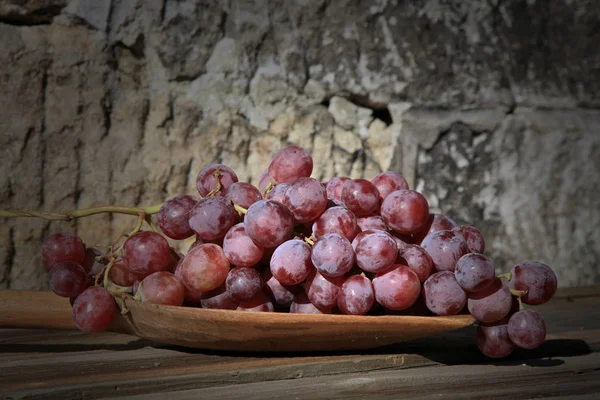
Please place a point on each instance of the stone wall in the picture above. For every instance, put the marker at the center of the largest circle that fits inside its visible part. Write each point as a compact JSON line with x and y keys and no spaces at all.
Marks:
{"x":491,"y":108}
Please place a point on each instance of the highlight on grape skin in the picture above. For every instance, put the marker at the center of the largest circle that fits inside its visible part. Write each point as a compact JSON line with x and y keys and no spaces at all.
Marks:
{"x":294,"y":241}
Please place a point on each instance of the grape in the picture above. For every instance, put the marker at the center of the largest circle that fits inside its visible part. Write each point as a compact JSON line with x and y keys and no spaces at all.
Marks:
{"x":197,"y":242}
{"x":388,"y":182}
{"x":443,"y":295}
{"x":62,"y":247}
{"x":360,"y":236}
{"x":120,"y":275}
{"x":302,"y":305}
{"x":206,"y":182}
{"x":281,"y":296}
{"x":356,"y":296}
{"x":445,"y":249}
{"x":417,"y":259}
{"x":190,"y":296}
{"x":240,"y":250}
{"x":243,"y":284}
{"x":175,"y":257}
{"x":264,"y":180}
{"x":204,"y":267}
{"x":146,"y":252}
{"x":290,"y":263}
{"x":323,"y":291}
{"x":398,"y":288}
{"x":278,"y":192}
{"x":89,"y":261}
{"x":492,"y":303}
{"x":360,"y":197}
{"x":473,"y":238}
{"x":94,"y":310}
{"x":405,"y":211}
{"x":474,"y":272}
{"x":290,"y":164}
{"x":374,"y":222}
{"x":269,"y":223}
{"x":336,"y":220}
{"x":260,"y":303}
{"x":243,"y":194}
{"x":537,"y":279}
{"x":493,"y":340}
{"x":212,"y":217}
{"x":306,"y":199}
{"x":435,"y":223}
{"x":333,"y":255}
{"x":68,"y":279}
{"x":335,"y":186}
{"x":376,"y":252}
{"x":218,"y":299}
{"x":266,"y":258}
{"x":527,"y":329}
{"x":161,"y":288}
{"x":173,"y":217}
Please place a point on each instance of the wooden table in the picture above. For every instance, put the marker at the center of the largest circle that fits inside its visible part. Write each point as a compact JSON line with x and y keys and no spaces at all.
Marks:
{"x":71,"y":365}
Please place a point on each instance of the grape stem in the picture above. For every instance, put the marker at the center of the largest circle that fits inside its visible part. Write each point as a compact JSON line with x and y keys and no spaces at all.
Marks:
{"x":239,"y":208}
{"x":269,"y":187}
{"x":84,"y":212}
{"x":310,"y":240}
{"x":507,"y":276}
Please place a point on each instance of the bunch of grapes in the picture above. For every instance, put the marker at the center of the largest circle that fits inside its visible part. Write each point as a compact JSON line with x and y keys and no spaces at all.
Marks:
{"x":294,"y":244}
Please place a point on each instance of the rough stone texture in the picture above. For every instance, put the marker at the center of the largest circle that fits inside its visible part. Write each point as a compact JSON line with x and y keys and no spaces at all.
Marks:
{"x":491,"y":108}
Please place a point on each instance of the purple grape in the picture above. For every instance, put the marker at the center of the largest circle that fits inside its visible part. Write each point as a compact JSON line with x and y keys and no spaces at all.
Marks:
{"x":333,"y":255}
{"x":62,"y":247}
{"x":492,"y":303}
{"x":361,"y":197}
{"x":218,"y":299}
{"x":374,"y":222}
{"x":336,"y":220}
{"x":174,"y":215}
{"x":405,"y":211}
{"x":335,"y":186}
{"x":306,"y":199}
{"x":376,"y":252}
{"x":417,"y":259}
{"x":243,"y":284}
{"x":277,"y":193}
{"x":323,"y":291}
{"x":269,"y":223}
{"x":527,"y":329}
{"x":94,"y":310}
{"x":161,"y":288}
{"x":435,"y":223}
{"x":146,"y":252}
{"x":212,"y":217}
{"x":290,"y":164}
{"x":259,"y":303}
{"x":120,"y":275}
{"x":264,"y":180}
{"x":204,"y":268}
{"x":537,"y":279}
{"x":445,"y":249}
{"x":243,"y":194}
{"x":239,"y":249}
{"x":397,"y":288}
{"x":281,"y":296}
{"x":443,"y":295}
{"x":206,"y":182}
{"x":493,"y":340}
{"x":388,"y":182}
{"x":473,"y":238}
{"x":89,"y":261}
{"x":302,"y":305}
{"x":356,"y":296}
{"x":474,"y":272}
{"x":290,"y":263}
{"x":68,"y":279}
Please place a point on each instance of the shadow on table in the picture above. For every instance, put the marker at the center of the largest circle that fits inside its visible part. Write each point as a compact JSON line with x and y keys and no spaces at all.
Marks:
{"x":67,"y":348}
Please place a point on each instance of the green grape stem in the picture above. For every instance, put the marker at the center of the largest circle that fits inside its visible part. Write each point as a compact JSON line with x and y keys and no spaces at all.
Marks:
{"x":84,"y":212}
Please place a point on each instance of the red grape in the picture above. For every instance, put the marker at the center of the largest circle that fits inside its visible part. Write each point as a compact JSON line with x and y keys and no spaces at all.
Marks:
{"x":306,"y":199}
{"x":493,"y":340}
{"x":278,"y":192}
{"x":291,"y":263}
{"x":473,"y":238}
{"x":443,"y":295}
{"x":527,"y":329}
{"x":212,"y":217}
{"x":120,"y":275}
{"x":398,"y":288}
{"x":376,"y":252}
{"x":388,"y":182}
{"x":204,"y":267}
{"x":356,"y":296}
{"x":302,"y":305}
{"x":146,"y":252}
{"x":68,"y":279}
{"x":417,"y":259}
{"x":492,"y":303}
{"x":240,"y":250}
{"x":89,"y":261}
{"x":264,"y":180}
{"x":537,"y":279}
{"x":243,"y":194}
{"x":173,"y":217}
{"x":323,"y":291}
{"x":374,"y":222}
{"x":269,"y":223}
{"x":161,"y":288}
{"x":62,"y":247}
{"x":94,"y":310}
{"x":335,"y":186}
{"x":336,"y":220}
{"x":218,"y":299}
{"x":474,"y":272}
{"x":361,"y":197}
{"x":445,"y":249}
{"x":333,"y":255}
{"x":243,"y":284}
{"x":281,"y":296}
{"x":435,"y":223}
{"x":405,"y":211}
{"x":206,"y":182}
{"x":290,"y":164}
{"x":259,"y":303}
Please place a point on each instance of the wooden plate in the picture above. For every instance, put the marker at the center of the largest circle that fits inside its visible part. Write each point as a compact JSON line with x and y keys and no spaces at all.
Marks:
{"x":233,"y":330}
